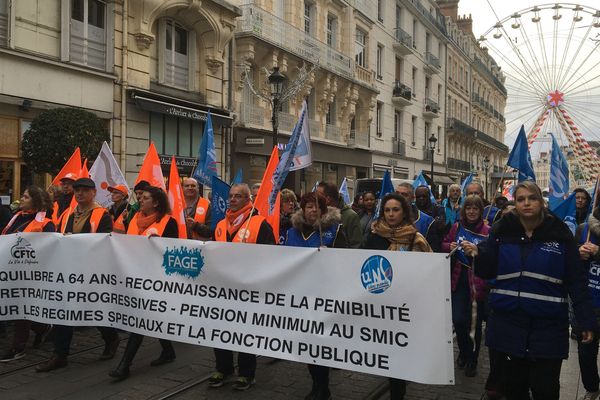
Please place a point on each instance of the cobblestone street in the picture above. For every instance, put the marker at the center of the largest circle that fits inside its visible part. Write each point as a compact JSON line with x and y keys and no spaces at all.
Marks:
{"x":86,"y":378}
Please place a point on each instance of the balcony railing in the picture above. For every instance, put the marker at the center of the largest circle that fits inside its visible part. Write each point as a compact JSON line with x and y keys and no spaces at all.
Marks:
{"x":401,"y":90}
{"x":358,"y":138}
{"x":490,"y":140}
{"x":404,"y":42}
{"x":460,"y":165}
{"x":363,"y":74}
{"x":257,"y":22}
{"x":460,"y":127}
{"x":431,"y":109}
{"x":437,"y":20}
{"x":287,"y":122}
{"x":314,"y":127}
{"x":333,"y":132}
{"x":432,"y":61}
{"x":251,"y":114}
{"x":483,"y":68}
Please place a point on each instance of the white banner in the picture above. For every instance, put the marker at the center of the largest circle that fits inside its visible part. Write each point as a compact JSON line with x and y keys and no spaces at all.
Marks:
{"x":379,"y":312}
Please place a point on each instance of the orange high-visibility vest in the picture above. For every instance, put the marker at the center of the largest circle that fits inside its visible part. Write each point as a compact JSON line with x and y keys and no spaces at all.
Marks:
{"x":244,"y":234}
{"x":201,"y":210}
{"x":37,"y":225}
{"x":119,"y":225}
{"x":156,"y":228}
{"x":97,"y":214}
{"x":55,"y":216}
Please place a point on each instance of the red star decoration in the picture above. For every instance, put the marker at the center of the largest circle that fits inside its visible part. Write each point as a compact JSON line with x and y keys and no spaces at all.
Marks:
{"x":556,"y":98}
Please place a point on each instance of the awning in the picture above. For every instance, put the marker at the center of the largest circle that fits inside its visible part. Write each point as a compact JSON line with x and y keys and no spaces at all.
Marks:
{"x":178,"y":108}
{"x":439,"y":178}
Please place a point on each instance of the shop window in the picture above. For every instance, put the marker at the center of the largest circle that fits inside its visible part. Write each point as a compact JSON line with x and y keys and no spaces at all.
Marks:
{"x":176,"y":55}
{"x":175,"y":136}
{"x":88,"y":33}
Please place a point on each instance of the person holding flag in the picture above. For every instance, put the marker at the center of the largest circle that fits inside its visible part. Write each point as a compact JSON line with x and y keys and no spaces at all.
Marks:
{"x":118,"y":195}
{"x":451,"y":205}
{"x":197,"y":211}
{"x":466,"y":287}
{"x":367,"y":214}
{"x":64,"y":198}
{"x":394,"y":230}
{"x":423,"y":222}
{"x":583,"y":200}
{"x":490,"y":212}
{"x":533,"y":258}
{"x":350,"y":220}
{"x":425,"y":205}
{"x":241,"y":225}
{"x":316,"y":225}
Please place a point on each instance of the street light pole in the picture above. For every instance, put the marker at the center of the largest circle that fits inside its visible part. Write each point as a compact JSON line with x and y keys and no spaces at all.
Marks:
{"x":432,"y":141}
{"x":486,"y":167}
{"x":276,"y":81}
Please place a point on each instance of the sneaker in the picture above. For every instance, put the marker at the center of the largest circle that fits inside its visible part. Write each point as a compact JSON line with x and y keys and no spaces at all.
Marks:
{"x":243,"y":383}
{"x":40,"y":338}
{"x":590,"y":395}
{"x":12,"y":355}
{"x":216,"y":380}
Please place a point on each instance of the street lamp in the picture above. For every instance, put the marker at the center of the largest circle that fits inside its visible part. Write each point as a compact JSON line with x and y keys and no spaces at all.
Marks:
{"x":277,"y":82}
{"x":486,"y":166}
{"x":432,"y":141}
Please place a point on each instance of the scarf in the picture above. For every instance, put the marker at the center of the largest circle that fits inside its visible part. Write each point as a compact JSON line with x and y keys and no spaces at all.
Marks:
{"x":144,"y":221}
{"x":404,"y":238}
{"x":235,"y":218}
{"x":81,"y":217}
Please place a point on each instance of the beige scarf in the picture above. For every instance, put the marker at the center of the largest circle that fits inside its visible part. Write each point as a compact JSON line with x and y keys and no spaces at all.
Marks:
{"x":404,"y":238}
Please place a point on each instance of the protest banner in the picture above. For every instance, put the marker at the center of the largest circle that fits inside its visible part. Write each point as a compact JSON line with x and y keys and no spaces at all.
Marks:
{"x":378,"y":312}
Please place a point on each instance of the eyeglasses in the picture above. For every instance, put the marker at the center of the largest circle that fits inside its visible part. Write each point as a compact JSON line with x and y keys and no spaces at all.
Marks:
{"x":237,"y":196}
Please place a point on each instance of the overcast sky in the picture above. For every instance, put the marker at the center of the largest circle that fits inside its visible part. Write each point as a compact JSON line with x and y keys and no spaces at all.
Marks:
{"x":483,"y":17}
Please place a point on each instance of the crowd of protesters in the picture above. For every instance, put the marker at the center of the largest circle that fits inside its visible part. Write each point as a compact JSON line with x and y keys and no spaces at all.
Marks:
{"x":514,"y":267}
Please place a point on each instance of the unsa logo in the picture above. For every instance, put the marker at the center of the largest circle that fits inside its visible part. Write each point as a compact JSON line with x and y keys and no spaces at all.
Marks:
{"x":376,"y":274}
{"x":183,"y":261}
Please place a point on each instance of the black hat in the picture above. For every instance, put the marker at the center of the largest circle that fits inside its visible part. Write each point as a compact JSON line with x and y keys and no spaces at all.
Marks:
{"x":84,"y":183}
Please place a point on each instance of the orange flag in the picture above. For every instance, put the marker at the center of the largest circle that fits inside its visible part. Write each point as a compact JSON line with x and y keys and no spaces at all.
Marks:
{"x":176,"y":199}
{"x":150,"y":171}
{"x":261,"y":203}
{"x":85,"y":173}
{"x":71,"y":169}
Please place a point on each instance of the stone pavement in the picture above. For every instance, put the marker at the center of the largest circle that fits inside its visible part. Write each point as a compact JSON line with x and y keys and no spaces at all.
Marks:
{"x":86,"y":378}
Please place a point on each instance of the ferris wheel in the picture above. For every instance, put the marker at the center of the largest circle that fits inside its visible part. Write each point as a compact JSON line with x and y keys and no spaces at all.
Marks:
{"x":550,"y":56}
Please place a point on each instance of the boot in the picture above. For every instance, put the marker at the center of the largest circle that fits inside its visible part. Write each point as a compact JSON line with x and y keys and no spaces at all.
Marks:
{"x":167,"y":354}
{"x":55,"y":362}
{"x":122,"y":370}
{"x":110,"y":349}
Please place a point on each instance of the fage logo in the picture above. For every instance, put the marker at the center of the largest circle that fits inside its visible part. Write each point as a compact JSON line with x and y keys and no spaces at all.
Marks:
{"x":376,"y":274}
{"x":183,"y":261}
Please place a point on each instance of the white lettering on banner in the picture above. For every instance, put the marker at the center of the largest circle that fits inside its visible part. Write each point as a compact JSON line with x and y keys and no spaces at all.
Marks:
{"x":379,"y":312}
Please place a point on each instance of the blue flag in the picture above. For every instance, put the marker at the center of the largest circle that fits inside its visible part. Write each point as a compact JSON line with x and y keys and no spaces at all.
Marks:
{"x":463,"y":186}
{"x":344,"y":191}
{"x":465,"y":234}
{"x":219,"y":201}
{"x":287,"y":158}
{"x":520,"y":158}
{"x":207,"y":155}
{"x":559,"y":175}
{"x":237,"y":179}
{"x":386,"y":187}
{"x":567,"y":211}
{"x":420,"y":181}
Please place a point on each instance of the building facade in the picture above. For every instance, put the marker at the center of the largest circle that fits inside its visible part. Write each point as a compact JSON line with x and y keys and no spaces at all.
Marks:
{"x":476,"y":102}
{"x":410,"y":71}
{"x":52,"y":54}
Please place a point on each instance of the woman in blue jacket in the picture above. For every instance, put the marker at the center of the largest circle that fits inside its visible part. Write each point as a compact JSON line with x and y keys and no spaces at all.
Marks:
{"x":533,"y":258}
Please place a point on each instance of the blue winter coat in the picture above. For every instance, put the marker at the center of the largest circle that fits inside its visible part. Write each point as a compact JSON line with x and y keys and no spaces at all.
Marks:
{"x":529,"y":316}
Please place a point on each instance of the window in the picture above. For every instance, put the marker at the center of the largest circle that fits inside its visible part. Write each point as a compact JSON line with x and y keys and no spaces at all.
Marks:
{"x":399,"y":69}
{"x":439,"y":96}
{"x":175,"y":136}
{"x":439,"y":137}
{"x":331,"y":30}
{"x":330,"y":117}
{"x":380,"y":10}
{"x":398,"y":16}
{"x":413,"y":127}
{"x":397,"y":125}
{"x":88,"y":33}
{"x":379,"y":61}
{"x":3,"y":22}
{"x":309,"y":17}
{"x":414,"y":81}
{"x":379,"y":119}
{"x":414,"y":33}
{"x":176,"y":55}
{"x":428,"y":87}
{"x":360,"y":56}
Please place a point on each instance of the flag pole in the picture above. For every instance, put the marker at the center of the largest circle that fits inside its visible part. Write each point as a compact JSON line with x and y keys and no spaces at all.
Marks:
{"x":493,"y":202}
{"x":594,"y":201}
